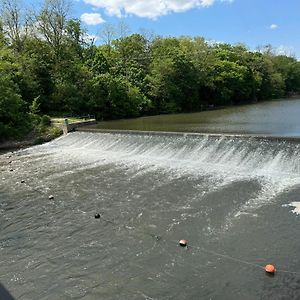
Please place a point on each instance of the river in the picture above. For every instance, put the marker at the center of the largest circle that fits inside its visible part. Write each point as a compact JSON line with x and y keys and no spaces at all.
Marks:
{"x":235,"y":199}
{"x":278,"y":117}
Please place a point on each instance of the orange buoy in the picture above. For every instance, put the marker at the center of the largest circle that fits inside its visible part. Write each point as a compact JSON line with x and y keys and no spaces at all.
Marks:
{"x":183,"y":243}
{"x":270,"y":269}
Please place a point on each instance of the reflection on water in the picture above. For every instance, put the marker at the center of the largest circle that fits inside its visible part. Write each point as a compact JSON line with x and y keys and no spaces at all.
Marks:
{"x":222,"y":194}
{"x":279,"y":117}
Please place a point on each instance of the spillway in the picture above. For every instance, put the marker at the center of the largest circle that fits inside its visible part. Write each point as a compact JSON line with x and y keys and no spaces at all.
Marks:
{"x":229,"y":194}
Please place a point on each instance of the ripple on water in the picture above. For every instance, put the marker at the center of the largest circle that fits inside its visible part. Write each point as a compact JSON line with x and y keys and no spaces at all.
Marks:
{"x":150,"y":192}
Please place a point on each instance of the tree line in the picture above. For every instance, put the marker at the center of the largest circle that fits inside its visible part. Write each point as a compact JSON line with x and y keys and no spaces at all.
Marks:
{"x":50,"y":66}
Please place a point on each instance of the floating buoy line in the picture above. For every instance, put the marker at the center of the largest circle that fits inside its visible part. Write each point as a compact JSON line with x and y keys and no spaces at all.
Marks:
{"x":269,"y":268}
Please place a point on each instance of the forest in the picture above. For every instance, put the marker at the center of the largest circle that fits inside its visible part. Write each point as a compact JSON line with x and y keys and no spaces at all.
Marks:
{"x":50,"y":66}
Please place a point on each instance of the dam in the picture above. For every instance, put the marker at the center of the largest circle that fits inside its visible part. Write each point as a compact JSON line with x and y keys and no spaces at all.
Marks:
{"x":233,"y":198}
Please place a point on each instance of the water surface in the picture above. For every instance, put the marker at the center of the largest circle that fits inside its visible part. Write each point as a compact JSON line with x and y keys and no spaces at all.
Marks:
{"x":279,"y":117}
{"x":228,"y":196}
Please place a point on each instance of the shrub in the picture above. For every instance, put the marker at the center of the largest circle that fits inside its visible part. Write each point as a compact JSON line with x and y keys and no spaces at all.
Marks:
{"x":45,"y":121}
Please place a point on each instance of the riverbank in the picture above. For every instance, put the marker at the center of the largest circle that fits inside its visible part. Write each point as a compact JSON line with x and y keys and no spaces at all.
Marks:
{"x":43,"y":134}
{"x":35,"y":137}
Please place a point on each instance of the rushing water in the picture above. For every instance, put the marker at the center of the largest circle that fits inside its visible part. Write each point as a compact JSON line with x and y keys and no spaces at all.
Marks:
{"x":234,"y":199}
{"x":280,"y":117}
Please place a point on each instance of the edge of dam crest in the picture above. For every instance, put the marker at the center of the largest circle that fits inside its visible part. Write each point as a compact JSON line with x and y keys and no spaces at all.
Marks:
{"x":295,"y":139}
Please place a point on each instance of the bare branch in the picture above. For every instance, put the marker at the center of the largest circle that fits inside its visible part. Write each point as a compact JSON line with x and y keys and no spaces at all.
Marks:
{"x":15,"y":21}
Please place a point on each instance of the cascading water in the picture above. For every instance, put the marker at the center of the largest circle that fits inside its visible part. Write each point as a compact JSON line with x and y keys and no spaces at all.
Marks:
{"x":225,"y":193}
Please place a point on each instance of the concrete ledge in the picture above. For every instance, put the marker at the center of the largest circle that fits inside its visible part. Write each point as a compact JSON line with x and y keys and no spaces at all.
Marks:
{"x":295,"y":139}
{"x":73,"y":126}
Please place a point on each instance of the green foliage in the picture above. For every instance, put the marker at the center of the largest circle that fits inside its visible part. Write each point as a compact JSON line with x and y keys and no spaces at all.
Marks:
{"x":45,"y":134}
{"x":58,"y":70}
{"x":112,"y":97}
{"x":13,"y":118}
{"x":45,"y":121}
{"x":35,"y":106}
{"x":98,"y":63}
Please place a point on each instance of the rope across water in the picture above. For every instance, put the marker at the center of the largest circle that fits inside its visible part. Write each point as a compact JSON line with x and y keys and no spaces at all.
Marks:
{"x":192,"y":246}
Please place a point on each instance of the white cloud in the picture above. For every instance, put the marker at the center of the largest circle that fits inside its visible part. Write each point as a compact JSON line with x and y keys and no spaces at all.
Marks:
{"x":149,"y":8}
{"x":92,"y":19}
{"x":273,"y":26}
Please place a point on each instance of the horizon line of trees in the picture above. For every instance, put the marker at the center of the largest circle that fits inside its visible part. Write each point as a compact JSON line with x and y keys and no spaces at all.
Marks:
{"x":49,"y":67}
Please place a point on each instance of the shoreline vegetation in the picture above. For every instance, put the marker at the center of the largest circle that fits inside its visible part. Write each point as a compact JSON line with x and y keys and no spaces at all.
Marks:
{"x":54,"y":129}
{"x":47,"y":130}
{"x":49,"y":67}
{"x":39,"y":135}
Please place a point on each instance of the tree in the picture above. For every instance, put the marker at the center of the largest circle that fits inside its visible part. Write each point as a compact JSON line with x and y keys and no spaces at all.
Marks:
{"x":98,"y":63}
{"x":131,"y":59}
{"x":15,"y":22}
{"x":51,"y":68}
{"x":75,"y":37}
{"x":14,"y":121}
{"x":3,"y":40}
{"x":107,"y":34}
{"x":172,"y":80}
{"x":289,"y":68}
{"x":52,"y":24}
{"x":122,"y":30}
{"x":113,"y":98}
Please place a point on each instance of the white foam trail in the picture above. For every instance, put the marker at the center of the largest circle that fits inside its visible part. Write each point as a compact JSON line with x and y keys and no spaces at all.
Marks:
{"x":275,"y":165}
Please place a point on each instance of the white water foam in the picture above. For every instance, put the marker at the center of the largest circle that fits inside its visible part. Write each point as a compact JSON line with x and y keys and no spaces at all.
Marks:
{"x":296,"y":206}
{"x":274,"y":164}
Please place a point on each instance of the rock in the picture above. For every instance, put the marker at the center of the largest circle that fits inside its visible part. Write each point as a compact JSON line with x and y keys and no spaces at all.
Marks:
{"x":22,"y":181}
{"x":51,"y":197}
{"x":97,"y":216}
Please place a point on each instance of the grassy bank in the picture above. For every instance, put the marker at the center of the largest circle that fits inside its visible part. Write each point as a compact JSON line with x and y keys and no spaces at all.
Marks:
{"x":33,"y":138}
{"x":44,"y":131}
{"x":60,"y":121}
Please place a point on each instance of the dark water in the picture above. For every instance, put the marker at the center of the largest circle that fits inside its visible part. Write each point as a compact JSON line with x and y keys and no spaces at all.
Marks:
{"x":227,"y":196}
{"x":279,"y":117}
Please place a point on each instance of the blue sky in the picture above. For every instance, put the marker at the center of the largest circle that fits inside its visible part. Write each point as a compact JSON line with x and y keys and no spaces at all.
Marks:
{"x":252,"y":22}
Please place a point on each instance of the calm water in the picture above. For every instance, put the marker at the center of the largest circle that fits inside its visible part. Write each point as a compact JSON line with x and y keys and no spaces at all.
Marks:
{"x":228,"y":196}
{"x":279,"y":117}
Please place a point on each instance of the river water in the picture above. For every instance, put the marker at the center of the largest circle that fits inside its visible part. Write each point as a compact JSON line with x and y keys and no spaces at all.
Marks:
{"x":234,"y":199}
{"x":278,"y":117}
